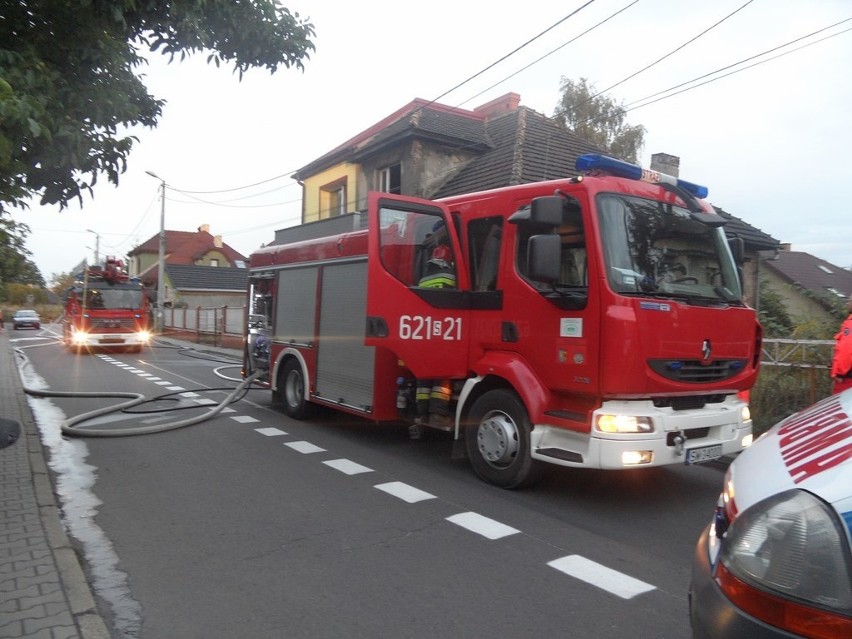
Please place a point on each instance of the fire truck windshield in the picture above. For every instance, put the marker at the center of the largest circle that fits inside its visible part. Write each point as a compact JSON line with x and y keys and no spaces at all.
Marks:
{"x":660,"y":250}
{"x":109,"y":297}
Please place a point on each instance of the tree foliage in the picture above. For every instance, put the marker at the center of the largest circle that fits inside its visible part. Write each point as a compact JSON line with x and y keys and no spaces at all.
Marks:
{"x":16,"y":265}
{"x":70,"y":78}
{"x":773,"y":315}
{"x":598,"y":119}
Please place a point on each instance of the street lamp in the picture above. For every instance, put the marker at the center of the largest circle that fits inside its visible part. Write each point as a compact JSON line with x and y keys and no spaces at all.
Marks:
{"x":97,"y":245}
{"x":161,"y":259}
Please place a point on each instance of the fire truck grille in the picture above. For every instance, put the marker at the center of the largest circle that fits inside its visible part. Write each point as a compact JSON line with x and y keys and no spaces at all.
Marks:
{"x":107,"y":324}
{"x":695,"y":371}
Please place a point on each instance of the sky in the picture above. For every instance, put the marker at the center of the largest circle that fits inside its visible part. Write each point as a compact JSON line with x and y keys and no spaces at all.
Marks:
{"x":771,"y":142}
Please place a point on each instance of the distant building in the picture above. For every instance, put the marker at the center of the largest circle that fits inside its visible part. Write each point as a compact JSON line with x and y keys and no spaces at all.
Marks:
{"x":205,"y":286}
{"x":200,"y":250}
{"x":810,"y":287}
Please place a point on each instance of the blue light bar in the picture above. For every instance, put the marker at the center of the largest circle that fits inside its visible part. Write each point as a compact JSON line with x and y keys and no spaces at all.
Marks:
{"x":619,"y":168}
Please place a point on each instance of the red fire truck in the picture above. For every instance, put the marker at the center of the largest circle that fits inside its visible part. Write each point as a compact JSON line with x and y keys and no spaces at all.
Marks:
{"x":593,"y":321}
{"x":106,"y":309}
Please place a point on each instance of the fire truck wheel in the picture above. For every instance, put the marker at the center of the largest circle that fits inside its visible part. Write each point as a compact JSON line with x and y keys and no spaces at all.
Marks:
{"x":291,"y":390}
{"x":498,"y":440}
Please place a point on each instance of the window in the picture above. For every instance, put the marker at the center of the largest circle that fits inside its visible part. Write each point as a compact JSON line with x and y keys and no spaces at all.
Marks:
{"x":389,"y":179}
{"x":484,"y":240}
{"x":415,"y":248}
{"x":214,"y":261}
{"x":337,"y":201}
{"x":333,"y":199}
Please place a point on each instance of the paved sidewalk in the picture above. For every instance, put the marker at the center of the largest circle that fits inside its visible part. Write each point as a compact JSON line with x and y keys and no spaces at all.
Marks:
{"x":44,"y":593}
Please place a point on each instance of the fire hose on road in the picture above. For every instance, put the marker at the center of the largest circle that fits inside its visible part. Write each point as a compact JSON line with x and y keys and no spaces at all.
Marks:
{"x":69,"y":426}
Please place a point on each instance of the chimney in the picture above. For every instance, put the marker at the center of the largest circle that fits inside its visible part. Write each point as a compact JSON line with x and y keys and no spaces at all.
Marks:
{"x":217,"y":241}
{"x":665,"y":163}
{"x":204,"y":228}
{"x":499,"y":106}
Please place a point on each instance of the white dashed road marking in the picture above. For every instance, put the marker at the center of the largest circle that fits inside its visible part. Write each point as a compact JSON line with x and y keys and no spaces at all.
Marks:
{"x":270,"y":432}
{"x":484,"y":526}
{"x":576,"y":566}
{"x":604,"y":578}
{"x":347,"y":466}
{"x":305,"y":447}
{"x":405,"y":492}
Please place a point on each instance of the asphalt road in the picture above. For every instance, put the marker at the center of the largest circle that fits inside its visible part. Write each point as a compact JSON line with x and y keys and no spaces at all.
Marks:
{"x":254,"y":525}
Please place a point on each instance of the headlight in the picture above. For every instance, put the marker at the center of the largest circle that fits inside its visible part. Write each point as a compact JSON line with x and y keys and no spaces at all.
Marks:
{"x":79,"y":338}
{"x":143,"y":336}
{"x":786,"y":561}
{"x":624,"y":424}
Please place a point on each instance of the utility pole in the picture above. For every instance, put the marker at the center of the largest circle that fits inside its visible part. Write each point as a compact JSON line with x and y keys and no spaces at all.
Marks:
{"x":161,"y":263}
{"x":97,"y":245}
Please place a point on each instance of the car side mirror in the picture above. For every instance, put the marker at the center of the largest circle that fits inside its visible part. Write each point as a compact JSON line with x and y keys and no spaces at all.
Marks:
{"x":10,"y":430}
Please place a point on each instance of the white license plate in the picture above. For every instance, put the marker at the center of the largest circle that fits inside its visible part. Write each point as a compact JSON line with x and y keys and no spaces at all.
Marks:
{"x":703,"y":454}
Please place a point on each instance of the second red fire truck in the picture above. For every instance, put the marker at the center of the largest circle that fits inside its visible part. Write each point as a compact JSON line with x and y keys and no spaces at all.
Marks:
{"x":594,"y":321}
{"x":105,"y":308}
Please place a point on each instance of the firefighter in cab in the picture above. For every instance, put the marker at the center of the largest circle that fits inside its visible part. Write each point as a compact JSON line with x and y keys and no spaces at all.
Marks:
{"x":433,"y":395}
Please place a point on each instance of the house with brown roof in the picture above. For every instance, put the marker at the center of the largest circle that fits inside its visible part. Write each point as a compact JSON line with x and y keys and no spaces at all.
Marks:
{"x":191,"y":249}
{"x":430,"y":150}
{"x":810,"y":287}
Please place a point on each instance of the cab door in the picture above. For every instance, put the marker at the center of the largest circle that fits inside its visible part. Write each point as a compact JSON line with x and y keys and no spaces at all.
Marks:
{"x":418,"y":291}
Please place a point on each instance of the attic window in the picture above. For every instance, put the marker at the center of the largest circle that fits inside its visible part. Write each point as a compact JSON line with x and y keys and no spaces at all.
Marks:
{"x":834,"y":291}
{"x":825,"y":269}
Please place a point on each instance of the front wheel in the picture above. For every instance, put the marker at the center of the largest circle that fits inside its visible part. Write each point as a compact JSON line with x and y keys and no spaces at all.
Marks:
{"x":291,"y":391}
{"x":498,"y":440}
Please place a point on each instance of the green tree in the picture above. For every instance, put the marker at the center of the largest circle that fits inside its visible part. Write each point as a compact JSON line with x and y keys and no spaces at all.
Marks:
{"x":59,"y":282}
{"x":15,"y":263}
{"x":773,"y":315}
{"x":69,"y":79}
{"x":598,"y":119}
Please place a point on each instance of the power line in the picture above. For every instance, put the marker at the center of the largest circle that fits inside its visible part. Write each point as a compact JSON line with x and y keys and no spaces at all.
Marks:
{"x":240,"y":188}
{"x":647,"y":100}
{"x":744,"y":60}
{"x":550,"y":53}
{"x":508,"y":55}
{"x":672,"y":52}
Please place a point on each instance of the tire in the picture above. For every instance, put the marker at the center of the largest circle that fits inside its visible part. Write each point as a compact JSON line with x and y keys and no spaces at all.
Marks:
{"x":497,"y":436}
{"x":291,"y":391}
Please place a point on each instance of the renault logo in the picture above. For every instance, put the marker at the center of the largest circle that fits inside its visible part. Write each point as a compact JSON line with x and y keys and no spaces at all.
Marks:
{"x":706,"y":350}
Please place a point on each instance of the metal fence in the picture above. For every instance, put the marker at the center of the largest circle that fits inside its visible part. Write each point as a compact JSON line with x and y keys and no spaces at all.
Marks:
{"x":220,"y":325}
{"x":794,"y":374}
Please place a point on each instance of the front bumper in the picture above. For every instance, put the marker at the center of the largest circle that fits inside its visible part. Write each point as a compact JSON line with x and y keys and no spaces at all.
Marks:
{"x":96,"y":340}
{"x":711,"y":614}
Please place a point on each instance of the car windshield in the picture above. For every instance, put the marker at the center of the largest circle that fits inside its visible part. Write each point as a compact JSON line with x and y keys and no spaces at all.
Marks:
{"x":26,"y":314}
{"x":657,"y":249}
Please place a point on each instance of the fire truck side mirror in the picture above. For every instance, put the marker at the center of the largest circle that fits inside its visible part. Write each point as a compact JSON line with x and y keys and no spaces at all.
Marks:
{"x":547,"y":210}
{"x":737,"y":245}
{"x":10,"y":430}
{"x":543,"y":253}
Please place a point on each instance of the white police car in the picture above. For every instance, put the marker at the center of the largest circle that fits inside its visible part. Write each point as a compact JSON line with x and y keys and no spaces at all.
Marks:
{"x":777,"y":559}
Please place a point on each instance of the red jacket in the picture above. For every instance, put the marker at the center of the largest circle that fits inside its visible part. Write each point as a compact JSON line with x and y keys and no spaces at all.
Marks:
{"x":842,"y":363}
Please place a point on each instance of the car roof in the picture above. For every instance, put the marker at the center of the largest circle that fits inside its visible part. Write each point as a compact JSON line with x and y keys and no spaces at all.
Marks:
{"x":26,"y":311}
